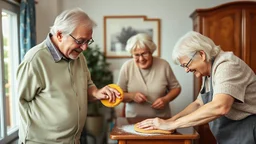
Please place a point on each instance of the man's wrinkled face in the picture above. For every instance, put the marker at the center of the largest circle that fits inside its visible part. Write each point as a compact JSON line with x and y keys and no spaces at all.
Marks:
{"x":75,"y":43}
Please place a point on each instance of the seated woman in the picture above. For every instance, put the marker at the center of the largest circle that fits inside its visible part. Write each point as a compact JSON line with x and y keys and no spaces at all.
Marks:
{"x":148,"y":82}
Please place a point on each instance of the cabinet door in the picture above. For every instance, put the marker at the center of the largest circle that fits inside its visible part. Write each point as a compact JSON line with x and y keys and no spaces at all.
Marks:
{"x":249,"y":51}
{"x":224,"y":28}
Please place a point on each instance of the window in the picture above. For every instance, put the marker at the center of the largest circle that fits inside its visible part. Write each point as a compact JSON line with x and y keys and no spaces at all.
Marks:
{"x":9,"y":60}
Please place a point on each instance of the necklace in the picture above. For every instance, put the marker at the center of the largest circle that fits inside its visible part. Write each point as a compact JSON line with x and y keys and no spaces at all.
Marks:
{"x":145,"y":74}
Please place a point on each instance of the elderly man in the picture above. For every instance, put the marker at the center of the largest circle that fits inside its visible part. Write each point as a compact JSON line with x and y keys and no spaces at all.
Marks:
{"x":54,"y":83}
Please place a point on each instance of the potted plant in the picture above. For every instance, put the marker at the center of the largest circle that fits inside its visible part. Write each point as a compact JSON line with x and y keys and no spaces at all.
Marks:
{"x":101,"y":76}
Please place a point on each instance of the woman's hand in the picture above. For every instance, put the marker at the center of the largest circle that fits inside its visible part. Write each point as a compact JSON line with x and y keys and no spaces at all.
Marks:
{"x":139,"y":97}
{"x":159,"y":103}
{"x":157,"y":123}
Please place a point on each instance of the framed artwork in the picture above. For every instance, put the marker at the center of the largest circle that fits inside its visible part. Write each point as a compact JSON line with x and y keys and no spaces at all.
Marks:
{"x":118,"y":29}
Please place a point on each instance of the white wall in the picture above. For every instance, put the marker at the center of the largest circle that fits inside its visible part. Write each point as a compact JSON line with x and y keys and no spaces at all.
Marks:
{"x":46,"y":11}
{"x":175,"y":22}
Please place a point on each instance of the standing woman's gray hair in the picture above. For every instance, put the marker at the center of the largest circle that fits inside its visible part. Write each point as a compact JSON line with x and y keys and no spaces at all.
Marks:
{"x":68,"y":20}
{"x":141,"y":40}
{"x":193,"y":42}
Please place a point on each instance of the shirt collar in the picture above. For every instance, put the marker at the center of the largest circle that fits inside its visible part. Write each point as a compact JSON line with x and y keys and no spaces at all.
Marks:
{"x":56,"y":54}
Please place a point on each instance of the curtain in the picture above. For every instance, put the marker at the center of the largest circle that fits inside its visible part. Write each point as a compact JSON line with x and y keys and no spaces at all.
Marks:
{"x":27,"y":26}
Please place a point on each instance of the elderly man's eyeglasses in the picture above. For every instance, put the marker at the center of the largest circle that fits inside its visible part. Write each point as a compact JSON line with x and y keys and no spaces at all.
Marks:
{"x":144,"y":55}
{"x":186,"y":65}
{"x":82,"y":42}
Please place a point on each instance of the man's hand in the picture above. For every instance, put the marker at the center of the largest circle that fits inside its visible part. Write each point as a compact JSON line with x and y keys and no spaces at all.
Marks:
{"x":107,"y":93}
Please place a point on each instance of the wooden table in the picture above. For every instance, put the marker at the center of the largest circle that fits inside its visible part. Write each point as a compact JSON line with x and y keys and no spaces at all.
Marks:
{"x":181,"y":136}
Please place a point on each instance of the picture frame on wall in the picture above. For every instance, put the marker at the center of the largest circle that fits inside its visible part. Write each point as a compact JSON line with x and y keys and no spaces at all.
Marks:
{"x":118,"y":29}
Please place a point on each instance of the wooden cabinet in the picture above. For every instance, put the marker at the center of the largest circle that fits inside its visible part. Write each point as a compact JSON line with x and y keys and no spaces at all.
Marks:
{"x":233,"y":27}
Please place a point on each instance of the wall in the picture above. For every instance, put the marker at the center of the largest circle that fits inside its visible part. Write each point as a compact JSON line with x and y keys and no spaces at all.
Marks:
{"x":174,"y":15}
{"x":46,"y":11}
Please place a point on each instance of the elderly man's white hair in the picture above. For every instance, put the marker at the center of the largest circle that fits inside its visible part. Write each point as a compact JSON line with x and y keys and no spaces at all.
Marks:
{"x":193,"y":42}
{"x":68,"y":20}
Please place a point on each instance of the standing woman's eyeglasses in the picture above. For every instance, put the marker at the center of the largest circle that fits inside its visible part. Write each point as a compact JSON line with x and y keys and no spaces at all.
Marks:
{"x":186,"y":65}
{"x":144,"y":55}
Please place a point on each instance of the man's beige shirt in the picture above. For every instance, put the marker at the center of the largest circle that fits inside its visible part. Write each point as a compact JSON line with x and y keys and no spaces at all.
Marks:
{"x":52,"y":97}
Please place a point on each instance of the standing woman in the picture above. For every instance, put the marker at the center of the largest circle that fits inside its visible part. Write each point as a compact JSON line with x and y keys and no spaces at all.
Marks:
{"x":227,"y":100}
{"x":148,"y":82}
